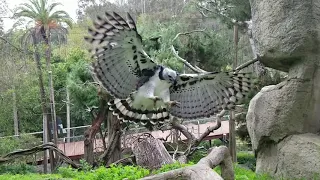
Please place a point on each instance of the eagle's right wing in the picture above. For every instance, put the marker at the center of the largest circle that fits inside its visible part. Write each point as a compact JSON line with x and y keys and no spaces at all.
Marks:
{"x":203,"y":95}
{"x":120,"y":58}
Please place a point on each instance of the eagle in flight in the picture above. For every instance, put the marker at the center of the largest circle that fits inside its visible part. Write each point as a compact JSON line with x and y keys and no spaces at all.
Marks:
{"x":149,"y":93}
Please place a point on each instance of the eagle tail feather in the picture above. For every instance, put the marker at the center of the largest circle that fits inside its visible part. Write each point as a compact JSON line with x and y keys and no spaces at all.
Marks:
{"x":123,"y":109}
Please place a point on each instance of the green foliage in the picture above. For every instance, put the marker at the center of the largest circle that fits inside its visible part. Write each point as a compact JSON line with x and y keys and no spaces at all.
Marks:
{"x":246,"y":174}
{"x":130,"y":172}
{"x":169,"y":167}
{"x":120,"y":172}
{"x":30,"y":176}
{"x":227,"y":10}
{"x":247,"y":159}
{"x":19,"y":168}
{"x":114,"y":172}
{"x":207,"y":49}
{"x":24,"y":141}
{"x":196,"y":156}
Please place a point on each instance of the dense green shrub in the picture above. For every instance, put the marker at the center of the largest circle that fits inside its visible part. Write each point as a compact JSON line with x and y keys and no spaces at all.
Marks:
{"x":114,"y":172}
{"x":247,"y":159}
{"x":246,"y":174}
{"x":24,"y":141}
{"x":169,"y":167}
{"x":17,"y":169}
{"x":121,"y":172}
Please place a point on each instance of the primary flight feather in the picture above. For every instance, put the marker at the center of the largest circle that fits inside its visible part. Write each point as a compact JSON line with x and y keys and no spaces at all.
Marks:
{"x":148,"y":93}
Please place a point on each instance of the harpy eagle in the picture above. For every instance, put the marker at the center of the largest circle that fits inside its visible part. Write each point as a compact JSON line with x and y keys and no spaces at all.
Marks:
{"x":148,"y":93}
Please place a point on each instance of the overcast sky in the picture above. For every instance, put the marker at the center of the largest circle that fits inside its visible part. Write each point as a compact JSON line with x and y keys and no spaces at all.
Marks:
{"x":70,"y":6}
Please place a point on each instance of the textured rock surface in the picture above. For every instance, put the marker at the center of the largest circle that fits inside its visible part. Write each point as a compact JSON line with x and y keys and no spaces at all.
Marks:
{"x":284,"y":31}
{"x":290,"y":107}
{"x":284,"y":120}
{"x":295,"y":156}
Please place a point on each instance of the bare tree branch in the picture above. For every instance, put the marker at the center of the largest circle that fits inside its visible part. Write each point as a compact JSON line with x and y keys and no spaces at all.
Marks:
{"x":121,"y":161}
{"x":248,"y":63}
{"x":192,"y":140}
{"x":24,"y":152}
{"x":193,"y":68}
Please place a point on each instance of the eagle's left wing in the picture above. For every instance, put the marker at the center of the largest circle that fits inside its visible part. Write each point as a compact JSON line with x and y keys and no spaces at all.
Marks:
{"x":206,"y":94}
{"x":121,"y":61}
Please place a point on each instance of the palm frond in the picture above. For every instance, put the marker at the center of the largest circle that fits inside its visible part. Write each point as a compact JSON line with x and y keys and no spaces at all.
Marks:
{"x":52,"y":6}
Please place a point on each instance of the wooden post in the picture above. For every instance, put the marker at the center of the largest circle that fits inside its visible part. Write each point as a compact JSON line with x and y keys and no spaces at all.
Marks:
{"x":15,"y":112}
{"x":232,"y":131}
{"x":68,"y":116}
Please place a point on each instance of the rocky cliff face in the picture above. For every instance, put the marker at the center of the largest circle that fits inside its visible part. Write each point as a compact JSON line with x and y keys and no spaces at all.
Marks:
{"x":284,"y":119}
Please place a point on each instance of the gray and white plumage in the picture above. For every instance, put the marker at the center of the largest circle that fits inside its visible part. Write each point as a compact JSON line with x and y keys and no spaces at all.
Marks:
{"x":143,"y":90}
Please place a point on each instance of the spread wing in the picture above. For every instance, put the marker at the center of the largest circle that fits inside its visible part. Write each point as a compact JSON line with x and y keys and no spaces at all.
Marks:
{"x":120,"y":58}
{"x":206,"y":94}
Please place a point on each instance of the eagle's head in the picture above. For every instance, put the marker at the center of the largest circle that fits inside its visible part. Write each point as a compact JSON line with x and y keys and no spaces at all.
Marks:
{"x":168,"y":75}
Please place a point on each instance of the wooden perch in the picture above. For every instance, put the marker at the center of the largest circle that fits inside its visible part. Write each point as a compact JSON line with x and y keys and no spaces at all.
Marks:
{"x":42,"y":147}
{"x":203,"y":169}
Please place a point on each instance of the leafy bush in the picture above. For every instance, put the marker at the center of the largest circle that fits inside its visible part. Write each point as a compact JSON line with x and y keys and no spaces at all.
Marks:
{"x":114,"y":172}
{"x":130,"y":172}
{"x":247,"y":159}
{"x":246,"y":174}
{"x":24,"y":141}
{"x":17,"y":169}
{"x":169,"y":167}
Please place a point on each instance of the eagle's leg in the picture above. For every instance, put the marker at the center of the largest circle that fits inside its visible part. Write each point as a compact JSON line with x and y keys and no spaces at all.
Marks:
{"x":155,"y":99}
{"x":172,"y":103}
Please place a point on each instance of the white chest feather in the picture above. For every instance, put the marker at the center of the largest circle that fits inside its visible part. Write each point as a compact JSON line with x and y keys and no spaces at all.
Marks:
{"x":154,"y":87}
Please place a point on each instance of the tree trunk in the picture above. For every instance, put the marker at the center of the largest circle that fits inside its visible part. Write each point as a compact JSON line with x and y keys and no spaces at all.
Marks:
{"x":51,"y":87}
{"x":42,"y":99}
{"x":15,"y":112}
{"x":151,"y":153}
{"x":232,"y":130}
{"x":114,"y":136}
{"x":90,"y":133}
{"x":52,"y":102}
{"x":68,"y":116}
{"x":113,"y":151}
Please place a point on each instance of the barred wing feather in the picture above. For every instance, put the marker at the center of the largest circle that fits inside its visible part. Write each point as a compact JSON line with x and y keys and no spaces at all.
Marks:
{"x":207,"y":94}
{"x":120,"y":58}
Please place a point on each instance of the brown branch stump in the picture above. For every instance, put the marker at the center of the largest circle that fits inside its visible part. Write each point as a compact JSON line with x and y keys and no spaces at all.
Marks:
{"x":151,"y":153}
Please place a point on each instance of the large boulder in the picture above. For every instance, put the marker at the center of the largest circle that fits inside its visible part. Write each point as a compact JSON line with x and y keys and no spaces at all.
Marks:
{"x":285,"y":31}
{"x":295,"y":156}
{"x":290,"y":107}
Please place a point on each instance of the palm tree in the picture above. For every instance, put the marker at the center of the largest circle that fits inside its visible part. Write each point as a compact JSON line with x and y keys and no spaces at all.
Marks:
{"x":47,"y":21}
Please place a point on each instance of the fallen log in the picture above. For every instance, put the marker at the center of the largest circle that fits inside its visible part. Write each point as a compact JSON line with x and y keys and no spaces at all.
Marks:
{"x":203,"y":169}
{"x":24,"y":152}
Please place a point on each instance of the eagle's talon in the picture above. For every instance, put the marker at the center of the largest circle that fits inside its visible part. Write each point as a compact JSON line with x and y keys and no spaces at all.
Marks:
{"x":155,"y":98}
{"x":172,"y":103}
